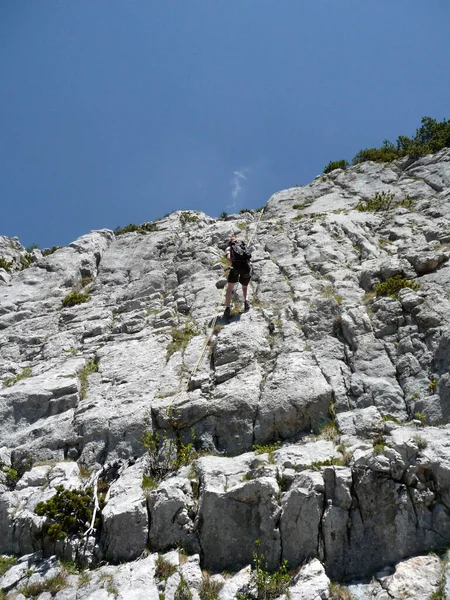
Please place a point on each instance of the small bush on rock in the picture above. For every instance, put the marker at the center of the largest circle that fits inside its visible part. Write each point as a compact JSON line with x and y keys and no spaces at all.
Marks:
{"x":4,"y":264}
{"x":25,"y":261}
{"x":75,"y":297}
{"x":393,"y":285}
{"x":68,"y":512}
{"x":269,"y":585}
{"x":143,"y":229}
{"x":48,"y":251}
{"x":166,"y":454}
{"x":336,"y":164}
{"x":188,"y":217}
{"x":381,"y":202}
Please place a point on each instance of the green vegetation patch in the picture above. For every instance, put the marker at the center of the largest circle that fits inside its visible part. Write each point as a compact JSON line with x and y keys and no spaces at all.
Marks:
{"x":393,"y":285}
{"x":166,"y":454}
{"x":6,"y":562}
{"x":188,"y":217}
{"x":76,"y":297}
{"x":335,"y":164}
{"x":68,"y":512}
{"x":163,"y":568}
{"x":4,"y":264}
{"x":209,"y":590}
{"x":143,"y":229}
{"x":48,"y":251}
{"x":9,"y":381}
{"x":181,"y":338}
{"x":53,"y":585}
{"x":83,"y":375}
{"x":183,"y":592}
{"x":431,"y":137}
{"x":268,"y":585}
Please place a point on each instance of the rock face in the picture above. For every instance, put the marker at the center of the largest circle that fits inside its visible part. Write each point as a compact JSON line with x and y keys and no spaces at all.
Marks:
{"x":319,"y":417}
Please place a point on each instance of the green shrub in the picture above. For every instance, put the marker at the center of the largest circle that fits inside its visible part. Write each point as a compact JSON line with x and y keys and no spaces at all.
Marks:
{"x":25,"y":261}
{"x":6,"y":562}
{"x":68,"y":512}
{"x":421,"y":417}
{"x":148,"y":483}
{"x":245,"y":210}
{"x":166,"y":454}
{"x":209,"y":590}
{"x":163,"y":568}
{"x":387,"y":153}
{"x":12,"y":474}
{"x":83,"y":375}
{"x":381,"y":202}
{"x":49,"y":251}
{"x":9,"y":381}
{"x":188,"y":217}
{"x":268,"y":585}
{"x":76,"y":297}
{"x":181,"y":338}
{"x":183,"y":592}
{"x":31,"y":247}
{"x":223,"y":215}
{"x":431,"y":137}
{"x":4,"y":264}
{"x":393,"y":285}
{"x":143,"y":229}
{"x":337,"y":164}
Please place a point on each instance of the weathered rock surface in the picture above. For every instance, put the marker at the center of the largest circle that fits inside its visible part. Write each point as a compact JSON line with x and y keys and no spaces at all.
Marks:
{"x":324,"y":408}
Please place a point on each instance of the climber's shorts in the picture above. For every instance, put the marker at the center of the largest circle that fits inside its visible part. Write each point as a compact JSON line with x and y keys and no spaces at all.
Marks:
{"x":243,"y":278}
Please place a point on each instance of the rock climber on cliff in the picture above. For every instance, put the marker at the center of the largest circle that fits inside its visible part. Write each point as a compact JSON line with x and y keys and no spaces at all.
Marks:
{"x":239,"y":257}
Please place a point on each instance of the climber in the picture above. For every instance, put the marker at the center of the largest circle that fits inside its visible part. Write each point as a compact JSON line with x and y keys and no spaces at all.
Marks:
{"x":239,"y":258}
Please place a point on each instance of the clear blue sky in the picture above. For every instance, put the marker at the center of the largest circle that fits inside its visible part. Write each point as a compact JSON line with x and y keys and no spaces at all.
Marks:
{"x":118,"y":111}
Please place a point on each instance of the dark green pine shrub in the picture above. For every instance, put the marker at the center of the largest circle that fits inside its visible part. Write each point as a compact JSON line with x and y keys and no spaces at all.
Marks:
{"x":68,"y":512}
{"x":336,"y":164}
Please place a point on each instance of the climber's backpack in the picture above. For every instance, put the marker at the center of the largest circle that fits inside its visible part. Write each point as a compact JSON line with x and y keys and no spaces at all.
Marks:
{"x":240,"y":257}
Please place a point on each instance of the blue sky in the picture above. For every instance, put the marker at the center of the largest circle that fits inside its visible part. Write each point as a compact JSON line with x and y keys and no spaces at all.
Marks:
{"x":115,"y":112}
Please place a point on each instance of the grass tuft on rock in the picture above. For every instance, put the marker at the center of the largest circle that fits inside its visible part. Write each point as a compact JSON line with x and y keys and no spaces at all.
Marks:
{"x":83,"y":375}
{"x":163,"y":568}
{"x":181,"y":338}
{"x":18,"y":377}
{"x":6,"y":562}
{"x":209,"y":590}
